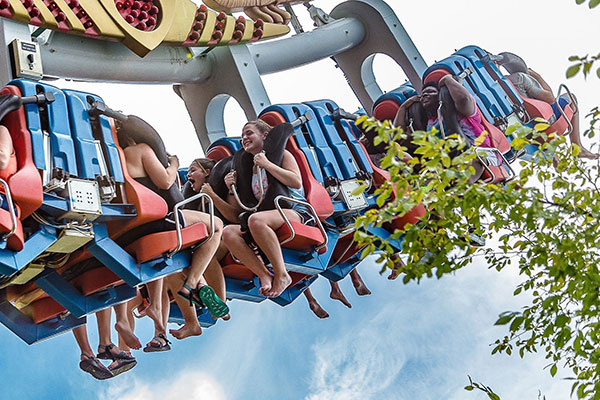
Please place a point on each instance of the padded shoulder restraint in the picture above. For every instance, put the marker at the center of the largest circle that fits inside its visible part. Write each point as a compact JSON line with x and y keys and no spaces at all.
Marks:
{"x":142,"y":132}
{"x":243,"y":163}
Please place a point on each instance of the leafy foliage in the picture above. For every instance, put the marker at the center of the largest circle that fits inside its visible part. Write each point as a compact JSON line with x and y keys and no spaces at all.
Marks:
{"x":545,"y":223}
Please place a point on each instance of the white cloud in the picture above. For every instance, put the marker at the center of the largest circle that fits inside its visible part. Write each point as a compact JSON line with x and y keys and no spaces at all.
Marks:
{"x":357,"y":365}
{"x":188,"y":385}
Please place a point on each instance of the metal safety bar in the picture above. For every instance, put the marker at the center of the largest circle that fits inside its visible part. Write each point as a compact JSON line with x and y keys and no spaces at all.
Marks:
{"x":301,"y":120}
{"x":440,"y":122}
{"x":11,"y":210}
{"x":288,"y":223}
{"x":259,"y":172}
{"x":211,"y":212}
{"x":561,"y":110}
{"x":486,"y":162}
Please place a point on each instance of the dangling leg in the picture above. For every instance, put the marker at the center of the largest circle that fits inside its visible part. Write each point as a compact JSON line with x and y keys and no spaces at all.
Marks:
{"x":123,"y":327}
{"x":263,"y":225}
{"x":191,"y":326}
{"x":315,"y":307}
{"x":233,"y":239}
{"x":337,"y":294}
{"x":359,"y":285}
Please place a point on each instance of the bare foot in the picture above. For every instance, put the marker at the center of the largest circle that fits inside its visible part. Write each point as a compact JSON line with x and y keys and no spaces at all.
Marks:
{"x":362,"y":289}
{"x":226,"y":317}
{"x":398,"y":263}
{"x":318,"y":310}
{"x":266,"y":281}
{"x":186,"y":331}
{"x":337,"y":294}
{"x":280,"y":283}
{"x":588,"y":154}
{"x":127,"y":335}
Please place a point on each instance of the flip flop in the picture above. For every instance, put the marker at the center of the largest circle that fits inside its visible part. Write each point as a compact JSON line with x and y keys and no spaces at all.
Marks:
{"x":151,"y":348}
{"x":94,"y":367}
{"x":217,"y":307}
{"x":106,"y":354}
{"x":122,"y":366}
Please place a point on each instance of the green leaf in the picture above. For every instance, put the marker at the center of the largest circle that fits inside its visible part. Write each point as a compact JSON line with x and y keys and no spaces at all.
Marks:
{"x":553,"y":370}
{"x":359,"y":190}
{"x":593,"y":3}
{"x":505,"y":319}
{"x":573,"y":70}
{"x":469,"y":388}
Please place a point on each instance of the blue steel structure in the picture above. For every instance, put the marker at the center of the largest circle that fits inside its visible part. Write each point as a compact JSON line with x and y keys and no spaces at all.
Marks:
{"x":72,"y":143}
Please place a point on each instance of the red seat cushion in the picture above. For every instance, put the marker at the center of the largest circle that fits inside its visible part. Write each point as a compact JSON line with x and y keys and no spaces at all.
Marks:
{"x":45,"y":307}
{"x":435,"y":76}
{"x":305,"y":236}
{"x":94,"y":280}
{"x":25,"y":184}
{"x":17,"y":240}
{"x":218,"y":153}
{"x":386,"y":110}
{"x":152,"y":246}
{"x":234,"y":269}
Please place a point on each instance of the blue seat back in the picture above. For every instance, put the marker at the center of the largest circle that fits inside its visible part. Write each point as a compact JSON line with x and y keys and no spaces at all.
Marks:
{"x":345,"y":159}
{"x":476,"y":56}
{"x":83,"y":136}
{"x":61,"y":141}
{"x":486,"y":101}
{"x":232,"y":143}
{"x":399,"y":95}
{"x":307,"y":135}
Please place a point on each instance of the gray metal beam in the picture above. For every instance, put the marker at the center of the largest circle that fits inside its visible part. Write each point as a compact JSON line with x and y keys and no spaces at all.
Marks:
{"x":325,"y":41}
{"x":75,"y":57}
{"x":384,"y":34}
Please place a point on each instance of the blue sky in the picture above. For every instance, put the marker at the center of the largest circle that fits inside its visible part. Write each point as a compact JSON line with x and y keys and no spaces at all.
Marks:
{"x":403,"y":341}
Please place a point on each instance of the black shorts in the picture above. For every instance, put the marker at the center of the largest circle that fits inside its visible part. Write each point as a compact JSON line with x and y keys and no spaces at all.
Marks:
{"x":161,"y":225}
{"x":306,"y":217}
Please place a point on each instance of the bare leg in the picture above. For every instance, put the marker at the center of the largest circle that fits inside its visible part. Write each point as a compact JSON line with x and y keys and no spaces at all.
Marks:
{"x":154,"y":310}
{"x":336,"y":294}
{"x":478,"y":172}
{"x":232,"y":237}
{"x":315,"y":307}
{"x":359,"y":285}
{"x":202,"y":256}
{"x":103,"y":318}
{"x":263,"y":225}
{"x":191,"y":326}
{"x":81,"y":337}
{"x":166,"y":305}
{"x":123,"y":327}
{"x":398,"y":263}
{"x":575,"y":137}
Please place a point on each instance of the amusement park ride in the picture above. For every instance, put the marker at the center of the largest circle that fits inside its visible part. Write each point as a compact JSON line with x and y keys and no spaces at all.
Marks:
{"x":71,"y":197}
